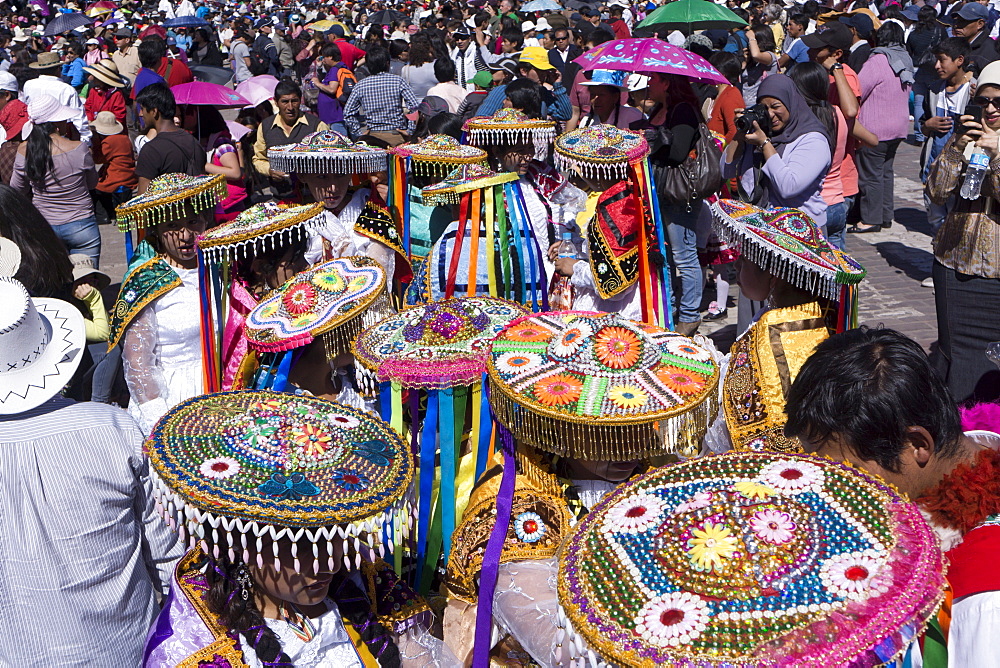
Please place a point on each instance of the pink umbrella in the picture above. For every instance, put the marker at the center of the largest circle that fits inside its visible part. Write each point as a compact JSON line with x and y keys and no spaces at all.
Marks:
{"x":257,"y":89}
{"x":237,"y":130}
{"x":202,"y":92}
{"x":649,"y":55}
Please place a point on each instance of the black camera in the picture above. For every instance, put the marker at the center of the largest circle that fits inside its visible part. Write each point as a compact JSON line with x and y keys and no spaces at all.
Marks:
{"x":758,"y":112}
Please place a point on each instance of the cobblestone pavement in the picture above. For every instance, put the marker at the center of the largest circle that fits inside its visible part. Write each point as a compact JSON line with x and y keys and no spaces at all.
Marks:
{"x":897,"y":260}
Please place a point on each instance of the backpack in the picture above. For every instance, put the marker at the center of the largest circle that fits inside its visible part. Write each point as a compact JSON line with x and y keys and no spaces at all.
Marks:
{"x":346,"y":81}
{"x":259,"y":62}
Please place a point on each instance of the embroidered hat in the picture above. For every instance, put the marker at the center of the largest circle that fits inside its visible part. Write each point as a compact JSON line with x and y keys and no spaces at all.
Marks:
{"x":169,"y":197}
{"x":230,"y":467}
{"x":750,"y":560}
{"x":436,"y":345}
{"x":41,"y":343}
{"x":260,"y":227}
{"x":599,"y":386}
{"x":336,"y":300}
{"x":327,"y":152}
{"x":508,"y":126}
{"x":602,"y":151}
{"x":437,"y":155}
{"x":787,"y":243}
{"x":462,"y":180}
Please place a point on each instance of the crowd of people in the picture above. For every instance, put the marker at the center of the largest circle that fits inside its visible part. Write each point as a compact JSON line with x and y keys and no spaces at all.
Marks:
{"x":405,"y":366}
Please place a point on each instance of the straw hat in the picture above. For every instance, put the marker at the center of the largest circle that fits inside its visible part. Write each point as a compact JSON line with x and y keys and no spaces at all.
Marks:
{"x":41,"y":342}
{"x":47,"y":60}
{"x":106,"y":71}
{"x":106,"y":124}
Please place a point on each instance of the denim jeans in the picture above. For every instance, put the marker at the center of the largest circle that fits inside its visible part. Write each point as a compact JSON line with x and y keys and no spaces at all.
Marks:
{"x":81,"y":236}
{"x":920,"y":90}
{"x":683,"y":237}
{"x":836,"y":222}
{"x":339,"y":127}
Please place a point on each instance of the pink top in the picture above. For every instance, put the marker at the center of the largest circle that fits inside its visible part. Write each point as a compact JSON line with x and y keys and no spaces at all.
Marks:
{"x":884,"y":100}
{"x":833,"y":185}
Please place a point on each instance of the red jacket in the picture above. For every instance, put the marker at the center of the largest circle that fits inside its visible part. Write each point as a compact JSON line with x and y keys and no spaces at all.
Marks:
{"x":111,"y":100}
{"x":621,"y":29}
{"x":174,"y":71}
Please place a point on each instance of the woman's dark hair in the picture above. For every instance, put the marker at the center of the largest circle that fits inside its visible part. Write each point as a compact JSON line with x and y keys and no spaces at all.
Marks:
{"x":765,"y":38}
{"x":421,"y":51}
{"x":157,"y":97}
{"x":810,"y":8}
{"x":446,"y":124}
{"x":679,"y":91}
{"x":526,"y":95}
{"x":890,"y":34}
{"x":151,"y":52}
{"x":210,"y":122}
{"x":728,"y":65}
{"x":893,"y":11}
{"x":76,"y":48}
{"x":38,"y":154}
{"x":205,"y":37}
{"x":398,"y":47}
{"x":927,"y":19}
{"x":444,"y":70}
{"x":45,"y":268}
{"x":286,"y":87}
{"x":868,"y":386}
{"x":377,"y":60}
{"x":357,"y":610}
{"x":437,"y":43}
{"x":331,"y":51}
{"x":813,"y":82}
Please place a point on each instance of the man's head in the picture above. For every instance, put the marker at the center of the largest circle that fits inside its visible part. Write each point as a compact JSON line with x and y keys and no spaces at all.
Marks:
{"x":377,"y":60}
{"x":330,"y":54}
{"x":288,"y":97}
{"x":506,"y":6}
{"x":592,"y":16}
{"x":151,"y":51}
{"x":534,"y":64}
{"x":444,"y":70}
{"x":157,"y":103}
{"x":264,"y":26}
{"x":830,"y":41}
{"x":970,"y":20}
{"x":860,"y":25}
{"x":511,"y":40}
{"x":870,"y":396}
{"x":951,"y":55}
{"x":797,"y":24}
{"x":561,"y":38}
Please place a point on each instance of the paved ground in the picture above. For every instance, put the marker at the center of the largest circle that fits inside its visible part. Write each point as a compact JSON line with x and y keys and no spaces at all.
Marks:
{"x":897,"y":261}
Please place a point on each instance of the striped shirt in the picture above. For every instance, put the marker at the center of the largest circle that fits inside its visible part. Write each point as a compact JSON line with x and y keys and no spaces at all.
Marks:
{"x":83,"y":553}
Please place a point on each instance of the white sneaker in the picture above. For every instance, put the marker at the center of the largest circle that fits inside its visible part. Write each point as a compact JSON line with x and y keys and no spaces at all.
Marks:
{"x":927,"y":282}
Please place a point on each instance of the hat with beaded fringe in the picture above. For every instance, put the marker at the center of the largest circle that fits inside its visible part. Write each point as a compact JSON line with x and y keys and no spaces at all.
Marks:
{"x":327,"y":152}
{"x":170,"y":197}
{"x":598,"y":386}
{"x":750,"y":560}
{"x":463,"y":179}
{"x":258,"y":228}
{"x":438,"y":155}
{"x":508,"y":126}
{"x":232,"y":468}
{"x":600,"y":151}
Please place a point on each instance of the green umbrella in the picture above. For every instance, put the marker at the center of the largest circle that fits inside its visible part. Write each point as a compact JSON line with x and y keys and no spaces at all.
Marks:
{"x":691,"y":15}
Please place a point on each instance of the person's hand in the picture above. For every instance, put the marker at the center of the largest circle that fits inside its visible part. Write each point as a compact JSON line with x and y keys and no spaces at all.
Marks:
{"x":972,"y":132}
{"x":829,"y":62}
{"x":315,"y":81}
{"x":988,"y":141}
{"x":757,"y":137}
{"x":82,"y":289}
{"x":939,"y":124}
{"x":277,"y":175}
{"x":554,"y":251}
{"x":564,"y":265}
{"x":488,"y":8}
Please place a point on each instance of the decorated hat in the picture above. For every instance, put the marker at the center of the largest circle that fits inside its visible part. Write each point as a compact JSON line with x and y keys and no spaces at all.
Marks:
{"x":336,"y":300}
{"x":436,"y":345}
{"x":510,"y":125}
{"x":327,"y":152}
{"x":260,"y":227}
{"x":463,"y":179}
{"x":749,"y":560}
{"x":599,"y":386}
{"x":170,"y":197}
{"x":437,"y":155}
{"x":230,"y":467}
{"x":787,"y":243}
{"x":600,"y":151}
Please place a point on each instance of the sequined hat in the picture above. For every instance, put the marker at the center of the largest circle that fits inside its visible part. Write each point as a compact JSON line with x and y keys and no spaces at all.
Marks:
{"x":600,"y":151}
{"x":232,"y":467}
{"x":749,"y":560}
{"x":508,"y":126}
{"x":327,"y":152}
{"x":336,"y":300}
{"x":463,"y":179}
{"x":788,"y":244}
{"x":438,"y":155}
{"x":601,"y":387}
{"x":170,"y":197}
{"x":260,"y":227}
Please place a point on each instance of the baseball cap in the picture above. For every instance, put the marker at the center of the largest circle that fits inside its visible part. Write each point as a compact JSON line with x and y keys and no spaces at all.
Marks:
{"x":263,"y":23}
{"x":537,"y":57}
{"x":92,"y":41}
{"x":971,"y":11}
{"x":280,"y":26}
{"x":123,"y":32}
{"x":588,"y":11}
{"x":835,"y":35}
{"x":862,"y":23}
{"x":336,"y":30}
{"x":482,"y":79}
{"x":508,"y":65}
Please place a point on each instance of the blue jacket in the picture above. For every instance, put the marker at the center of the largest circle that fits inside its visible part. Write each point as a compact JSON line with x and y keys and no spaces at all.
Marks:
{"x":73,"y":74}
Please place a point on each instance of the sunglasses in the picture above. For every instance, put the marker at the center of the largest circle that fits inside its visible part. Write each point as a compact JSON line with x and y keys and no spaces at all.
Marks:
{"x":562,"y":39}
{"x":987,"y":102}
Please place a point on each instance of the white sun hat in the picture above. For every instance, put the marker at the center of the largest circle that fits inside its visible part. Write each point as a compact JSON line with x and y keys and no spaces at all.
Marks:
{"x":41,"y":343}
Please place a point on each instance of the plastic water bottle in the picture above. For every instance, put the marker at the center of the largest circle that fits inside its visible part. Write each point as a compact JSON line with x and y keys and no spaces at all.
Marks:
{"x":978,"y":164}
{"x":566,"y":246}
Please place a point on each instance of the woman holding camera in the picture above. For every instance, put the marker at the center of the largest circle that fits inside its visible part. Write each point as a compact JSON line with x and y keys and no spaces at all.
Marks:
{"x":784,"y":162}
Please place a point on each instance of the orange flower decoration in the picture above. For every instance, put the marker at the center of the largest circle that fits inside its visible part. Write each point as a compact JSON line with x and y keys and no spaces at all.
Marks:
{"x":528,"y":332}
{"x":558,"y":390}
{"x":617,"y":347}
{"x":681,"y":380}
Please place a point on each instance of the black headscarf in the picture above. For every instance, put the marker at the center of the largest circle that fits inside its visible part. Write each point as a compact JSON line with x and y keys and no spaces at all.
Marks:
{"x":801,"y":119}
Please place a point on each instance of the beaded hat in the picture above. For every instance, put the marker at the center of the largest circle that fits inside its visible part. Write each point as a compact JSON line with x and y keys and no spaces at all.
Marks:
{"x":437,"y":345}
{"x":230,"y":467}
{"x":599,"y":386}
{"x":327,"y":152}
{"x":749,"y":560}
{"x":508,"y":126}
{"x":336,"y":300}
{"x":260,"y":227}
{"x":600,"y":151}
{"x":170,"y":197}
{"x":463,"y":179}
{"x":438,"y":155}
{"x":787,"y":243}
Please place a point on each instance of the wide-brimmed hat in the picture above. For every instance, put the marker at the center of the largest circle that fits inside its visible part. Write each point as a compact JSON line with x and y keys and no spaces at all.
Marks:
{"x":105,"y":123}
{"x":438,"y":155}
{"x":10,"y":257}
{"x":8,"y":82}
{"x":47,"y":60}
{"x":107,"y":71}
{"x":260,"y":227}
{"x":169,"y":197}
{"x":614,"y":78}
{"x":44,"y":108}
{"x":327,"y":152}
{"x":598,"y":386}
{"x":83,"y":267}
{"x":463,"y":179}
{"x":41,"y":343}
{"x":600,"y":151}
{"x":749,"y":559}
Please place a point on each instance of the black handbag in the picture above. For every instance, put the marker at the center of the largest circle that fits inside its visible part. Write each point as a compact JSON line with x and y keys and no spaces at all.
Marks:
{"x":698,"y":177}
